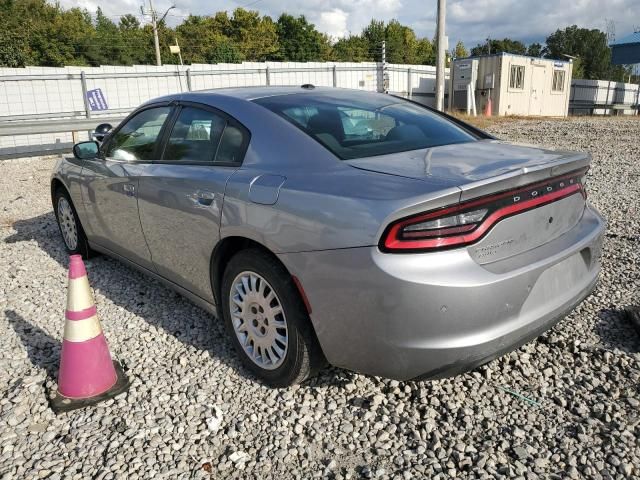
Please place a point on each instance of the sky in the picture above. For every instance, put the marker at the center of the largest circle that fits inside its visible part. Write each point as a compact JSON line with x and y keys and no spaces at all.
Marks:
{"x":470,"y":21}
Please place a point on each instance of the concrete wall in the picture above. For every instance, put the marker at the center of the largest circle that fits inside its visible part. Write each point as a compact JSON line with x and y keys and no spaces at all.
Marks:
{"x":125,"y":88}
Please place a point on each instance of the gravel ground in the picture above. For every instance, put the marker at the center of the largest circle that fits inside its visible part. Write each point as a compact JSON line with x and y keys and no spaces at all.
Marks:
{"x":566,"y":405}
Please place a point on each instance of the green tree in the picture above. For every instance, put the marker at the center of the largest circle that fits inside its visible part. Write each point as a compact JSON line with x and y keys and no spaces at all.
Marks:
{"x":589,"y":46}
{"x":202,"y":41}
{"x":534,"y":50}
{"x":353,"y":48}
{"x":106,"y":46}
{"x":402,"y":43}
{"x":299,"y":40}
{"x":374,"y":35}
{"x":13,"y":50}
{"x":506,"y":45}
{"x":425,"y":52}
{"x":460,"y":51}
{"x":256,"y":37}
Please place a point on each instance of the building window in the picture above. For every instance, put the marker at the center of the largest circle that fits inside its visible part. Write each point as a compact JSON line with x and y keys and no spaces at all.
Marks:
{"x":558,"y":81}
{"x":516,"y":80}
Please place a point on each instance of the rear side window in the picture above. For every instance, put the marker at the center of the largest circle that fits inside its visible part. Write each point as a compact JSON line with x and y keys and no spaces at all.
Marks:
{"x":359,"y":128}
{"x":136,"y":140}
{"x":195,"y":136}
{"x":231,"y":148}
{"x":202,"y":136}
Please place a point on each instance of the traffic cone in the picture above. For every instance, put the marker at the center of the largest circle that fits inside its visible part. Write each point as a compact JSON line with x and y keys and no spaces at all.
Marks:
{"x":87,"y":374}
{"x":487,"y":109}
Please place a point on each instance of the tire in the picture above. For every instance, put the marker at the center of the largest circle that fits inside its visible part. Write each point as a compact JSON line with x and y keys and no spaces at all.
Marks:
{"x":73,"y":236}
{"x":256,"y":323}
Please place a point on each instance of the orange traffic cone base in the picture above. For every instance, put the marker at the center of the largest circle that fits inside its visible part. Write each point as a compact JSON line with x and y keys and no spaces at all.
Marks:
{"x":60,"y":404}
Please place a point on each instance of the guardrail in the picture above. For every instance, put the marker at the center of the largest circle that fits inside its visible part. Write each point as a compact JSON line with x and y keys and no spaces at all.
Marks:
{"x":55,"y":126}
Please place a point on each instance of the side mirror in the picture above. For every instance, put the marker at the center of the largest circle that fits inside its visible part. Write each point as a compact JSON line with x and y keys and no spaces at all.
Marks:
{"x":101,"y":131}
{"x":85,"y":150}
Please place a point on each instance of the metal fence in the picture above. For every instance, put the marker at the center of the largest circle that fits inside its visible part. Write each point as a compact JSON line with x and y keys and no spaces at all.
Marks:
{"x":45,"y":109}
{"x":603,"y":97}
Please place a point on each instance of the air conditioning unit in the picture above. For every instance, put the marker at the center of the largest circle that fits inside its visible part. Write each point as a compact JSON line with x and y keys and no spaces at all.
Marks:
{"x":465,"y":74}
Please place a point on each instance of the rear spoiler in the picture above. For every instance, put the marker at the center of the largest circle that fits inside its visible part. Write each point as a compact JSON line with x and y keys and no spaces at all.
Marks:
{"x":569,"y":162}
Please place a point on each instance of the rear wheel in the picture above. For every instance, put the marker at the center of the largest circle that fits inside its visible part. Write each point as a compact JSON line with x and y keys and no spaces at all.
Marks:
{"x":267,"y":320}
{"x":70,"y":227}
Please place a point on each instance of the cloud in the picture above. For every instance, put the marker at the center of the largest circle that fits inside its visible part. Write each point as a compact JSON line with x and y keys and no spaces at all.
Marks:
{"x":471,"y":21}
{"x":333,"y":23}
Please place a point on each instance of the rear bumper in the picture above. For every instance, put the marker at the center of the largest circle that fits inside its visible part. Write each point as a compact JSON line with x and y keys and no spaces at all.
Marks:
{"x":439,"y":314}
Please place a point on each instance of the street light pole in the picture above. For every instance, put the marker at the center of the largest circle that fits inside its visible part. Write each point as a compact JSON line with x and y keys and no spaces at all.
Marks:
{"x":441,"y":55}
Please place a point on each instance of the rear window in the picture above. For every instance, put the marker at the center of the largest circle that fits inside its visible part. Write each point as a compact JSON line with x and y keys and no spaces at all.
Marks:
{"x":357,"y":129}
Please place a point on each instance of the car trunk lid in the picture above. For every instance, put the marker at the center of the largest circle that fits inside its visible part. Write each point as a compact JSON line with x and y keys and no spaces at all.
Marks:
{"x":486,"y":168}
{"x":466,"y":164}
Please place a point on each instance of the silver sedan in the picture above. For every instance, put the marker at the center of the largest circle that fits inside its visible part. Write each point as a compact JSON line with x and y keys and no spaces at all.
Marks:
{"x":339,"y":226}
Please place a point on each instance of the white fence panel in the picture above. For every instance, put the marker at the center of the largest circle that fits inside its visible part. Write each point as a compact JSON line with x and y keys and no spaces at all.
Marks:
{"x":43,"y":92}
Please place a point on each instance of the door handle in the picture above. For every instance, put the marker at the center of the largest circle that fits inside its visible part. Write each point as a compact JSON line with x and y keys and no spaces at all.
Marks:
{"x":202,"y":198}
{"x":129,"y":189}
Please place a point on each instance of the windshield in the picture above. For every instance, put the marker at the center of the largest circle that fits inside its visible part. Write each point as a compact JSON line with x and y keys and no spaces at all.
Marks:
{"x":358,"y":128}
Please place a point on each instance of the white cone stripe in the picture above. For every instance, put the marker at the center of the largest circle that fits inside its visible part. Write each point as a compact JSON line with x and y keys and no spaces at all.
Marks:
{"x":79,"y":296}
{"x":82,"y":330}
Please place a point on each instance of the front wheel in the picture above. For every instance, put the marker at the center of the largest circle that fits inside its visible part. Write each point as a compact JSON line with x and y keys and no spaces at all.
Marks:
{"x":70,"y":227}
{"x":267,"y":320}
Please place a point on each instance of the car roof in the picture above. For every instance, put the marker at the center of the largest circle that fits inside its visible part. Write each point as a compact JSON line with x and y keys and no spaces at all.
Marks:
{"x":255,"y":93}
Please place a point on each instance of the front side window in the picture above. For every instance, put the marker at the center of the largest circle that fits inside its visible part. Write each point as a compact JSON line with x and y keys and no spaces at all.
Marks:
{"x":195,"y":136}
{"x":558,"y":81}
{"x":516,"y":78}
{"x":366,"y":127}
{"x":136,"y":140}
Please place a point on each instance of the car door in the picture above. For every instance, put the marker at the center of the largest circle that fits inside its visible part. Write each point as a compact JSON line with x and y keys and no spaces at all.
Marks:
{"x":180,"y":196}
{"x":111,"y":182}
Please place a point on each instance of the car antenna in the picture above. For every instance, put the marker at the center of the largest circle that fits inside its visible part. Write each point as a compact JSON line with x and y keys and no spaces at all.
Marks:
{"x":308,"y":86}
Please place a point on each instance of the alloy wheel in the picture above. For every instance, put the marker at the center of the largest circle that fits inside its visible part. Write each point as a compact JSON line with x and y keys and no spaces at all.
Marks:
{"x":258,"y":320}
{"x":67,"y":222}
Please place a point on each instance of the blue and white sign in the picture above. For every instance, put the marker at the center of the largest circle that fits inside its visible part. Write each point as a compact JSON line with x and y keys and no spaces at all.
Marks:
{"x":96,"y":100}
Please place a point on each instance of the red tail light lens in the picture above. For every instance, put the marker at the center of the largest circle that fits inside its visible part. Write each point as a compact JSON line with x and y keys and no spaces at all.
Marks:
{"x":468,"y":222}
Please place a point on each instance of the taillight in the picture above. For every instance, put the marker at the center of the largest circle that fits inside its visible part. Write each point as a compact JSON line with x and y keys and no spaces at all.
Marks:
{"x":468,"y":222}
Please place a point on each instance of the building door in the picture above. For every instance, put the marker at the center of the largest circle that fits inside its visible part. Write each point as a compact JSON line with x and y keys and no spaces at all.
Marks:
{"x":538,"y":82}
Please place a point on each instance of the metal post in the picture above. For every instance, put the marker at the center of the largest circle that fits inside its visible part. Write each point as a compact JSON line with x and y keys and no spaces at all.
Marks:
{"x":637,"y":99}
{"x":85,"y":99}
{"x":409,"y":83}
{"x":179,"y":52}
{"x":335,"y":77}
{"x":450,"y":99}
{"x":440,"y":59}
{"x":267,"y":76}
{"x":385,"y":84}
{"x":189,"y":80}
{"x":87,"y":107}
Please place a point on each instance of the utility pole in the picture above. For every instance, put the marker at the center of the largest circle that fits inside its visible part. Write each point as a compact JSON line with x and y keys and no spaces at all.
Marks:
{"x":441,"y":55}
{"x":154,"y":26}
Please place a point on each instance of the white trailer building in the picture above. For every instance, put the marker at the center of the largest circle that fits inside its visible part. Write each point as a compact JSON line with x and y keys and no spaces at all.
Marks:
{"x":516,"y":85}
